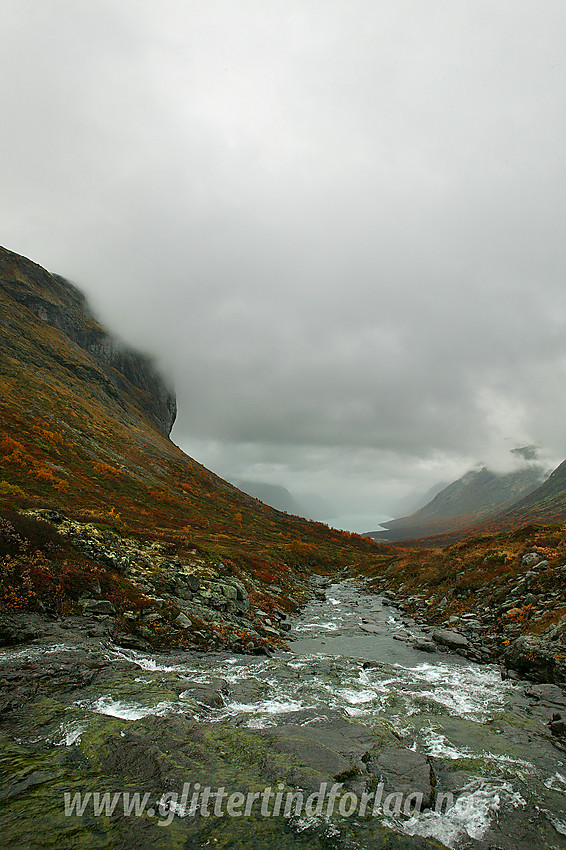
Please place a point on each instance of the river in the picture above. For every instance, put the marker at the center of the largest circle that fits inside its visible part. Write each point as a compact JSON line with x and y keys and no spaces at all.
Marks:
{"x":349,"y":672}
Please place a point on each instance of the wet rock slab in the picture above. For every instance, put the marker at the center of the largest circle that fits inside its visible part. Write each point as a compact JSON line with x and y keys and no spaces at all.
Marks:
{"x":403,"y":771}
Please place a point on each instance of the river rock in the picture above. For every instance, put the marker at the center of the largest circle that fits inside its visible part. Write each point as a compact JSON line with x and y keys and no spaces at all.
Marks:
{"x":13,"y":631}
{"x":205,"y":694}
{"x":99,"y":606}
{"x":424,"y":645}
{"x":535,"y":658}
{"x":548,"y":693}
{"x":449,"y":638}
{"x":557,"y":726}
{"x":326,"y":752}
{"x":183,"y":621}
{"x":404,"y":771}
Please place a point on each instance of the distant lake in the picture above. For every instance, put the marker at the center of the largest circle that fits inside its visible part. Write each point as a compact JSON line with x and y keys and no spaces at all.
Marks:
{"x":360,"y":523}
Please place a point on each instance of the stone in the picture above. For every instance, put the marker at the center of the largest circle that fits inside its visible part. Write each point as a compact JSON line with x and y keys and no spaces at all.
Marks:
{"x":110,"y":539}
{"x":449,"y":638}
{"x":424,"y":645}
{"x":535,"y":659}
{"x":99,"y":606}
{"x":529,"y":599}
{"x":52,"y":516}
{"x":548,"y":693}
{"x":129,"y":641}
{"x":182,"y":621}
{"x":205,"y":695}
{"x":192,"y":580}
{"x":530,"y":559}
{"x":403,"y":771}
{"x":152,"y":618}
{"x":12,"y":632}
{"x":229,"y":591}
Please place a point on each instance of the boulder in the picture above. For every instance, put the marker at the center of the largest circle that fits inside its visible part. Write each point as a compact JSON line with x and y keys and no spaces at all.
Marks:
{"x":535,"y":658}
{"x":403,"y":771}
{"x":449,"y":638}
{"x":530,"y":559}
{"x":182,"y":621}
{"x":192,"y":580}
{"x":424,"y":645}
{"x":99,"y":606}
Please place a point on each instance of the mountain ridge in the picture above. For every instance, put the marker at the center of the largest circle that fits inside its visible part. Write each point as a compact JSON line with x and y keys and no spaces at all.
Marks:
{"x":473,"y":498}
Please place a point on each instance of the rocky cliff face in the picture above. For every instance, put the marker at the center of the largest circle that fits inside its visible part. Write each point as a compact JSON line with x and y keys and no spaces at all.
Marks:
{"x":125,"y":372}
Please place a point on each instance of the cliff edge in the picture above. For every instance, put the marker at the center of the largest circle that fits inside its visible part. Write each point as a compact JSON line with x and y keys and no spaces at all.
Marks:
{"x":124,"y":373}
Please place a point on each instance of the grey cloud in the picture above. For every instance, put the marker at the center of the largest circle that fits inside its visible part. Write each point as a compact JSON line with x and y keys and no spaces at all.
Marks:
{"x":338,"y":224}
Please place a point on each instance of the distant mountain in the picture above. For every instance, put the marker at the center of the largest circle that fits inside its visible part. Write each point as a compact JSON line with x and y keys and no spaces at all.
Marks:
{"x":309,"y":505}
{"x":415,"y":500}
{"x":478,"y":495}
{"x":274,"y":495}
{"x":317,"y":507}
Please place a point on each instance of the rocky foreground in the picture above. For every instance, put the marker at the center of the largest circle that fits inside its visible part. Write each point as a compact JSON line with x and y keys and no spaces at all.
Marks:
{"x":353,"y":707}
{"x":139,"y":594}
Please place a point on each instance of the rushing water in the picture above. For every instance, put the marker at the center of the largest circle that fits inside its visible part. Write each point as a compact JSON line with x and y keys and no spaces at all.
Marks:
{"x":349,"y":656}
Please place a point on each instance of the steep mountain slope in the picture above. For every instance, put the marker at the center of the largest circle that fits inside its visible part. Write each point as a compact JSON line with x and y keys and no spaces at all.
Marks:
{"x":121,"y":372}
{"x":83,"y":430}
{"x":471,"y":499}
{"x":546,"y":503}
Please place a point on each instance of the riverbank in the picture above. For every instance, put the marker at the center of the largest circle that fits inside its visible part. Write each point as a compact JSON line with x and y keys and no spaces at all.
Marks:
{"x":495,"y":598}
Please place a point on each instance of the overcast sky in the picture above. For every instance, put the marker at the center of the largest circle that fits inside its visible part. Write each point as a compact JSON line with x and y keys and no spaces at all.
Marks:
{"x":339,"y":224}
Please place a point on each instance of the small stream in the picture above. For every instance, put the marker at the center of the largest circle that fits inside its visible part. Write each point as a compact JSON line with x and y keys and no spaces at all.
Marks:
{"x":349,"y":657}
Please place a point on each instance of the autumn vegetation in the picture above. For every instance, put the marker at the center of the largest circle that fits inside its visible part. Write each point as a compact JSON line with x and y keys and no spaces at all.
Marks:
{"x":71,"y":442}
{"x":73,"y":438}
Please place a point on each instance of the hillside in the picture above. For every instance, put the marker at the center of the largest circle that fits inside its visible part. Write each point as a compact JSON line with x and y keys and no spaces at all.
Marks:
{"x":84,"y":424}
{"x":547,"y":503}
{"x":471,"y":499}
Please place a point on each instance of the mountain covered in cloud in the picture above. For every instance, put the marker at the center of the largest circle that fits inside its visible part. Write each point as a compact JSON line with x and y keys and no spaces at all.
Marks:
{"x":119,"y":370}
{"x":473,"y":498}
{"x":546,"y":503}
{"x":84,"y":431}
